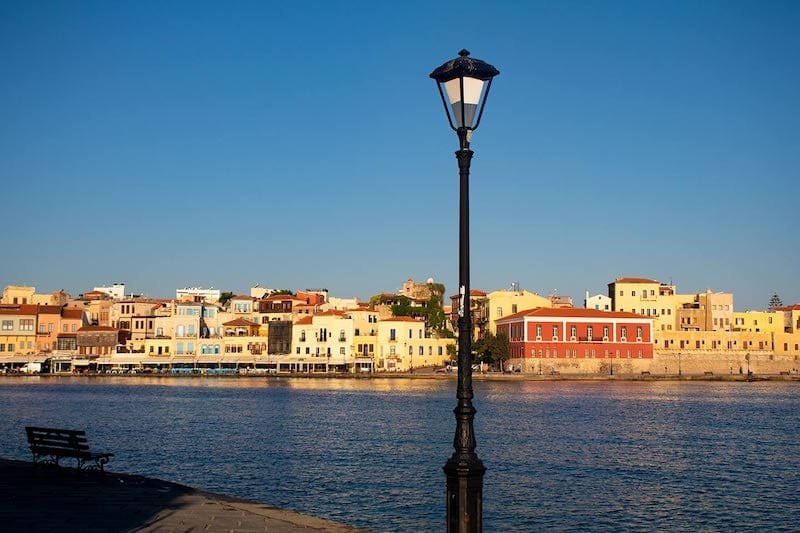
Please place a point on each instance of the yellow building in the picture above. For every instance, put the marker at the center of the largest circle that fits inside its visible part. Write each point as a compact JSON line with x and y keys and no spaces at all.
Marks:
{"x":759,"y":321}
{"x":708,"y":311}
{"x":18,"y":295}
{"x":402,"y":346}
{"x":498,"y":304}
{"x":17,"y":334}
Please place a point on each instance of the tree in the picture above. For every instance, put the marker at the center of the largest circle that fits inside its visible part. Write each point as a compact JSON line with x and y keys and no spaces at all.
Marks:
{"x":224,"y":297}
{"x":492,"y":349}
{"x":452,"y":351}
{"x":281,"y":292}
{"x":774,"y":302}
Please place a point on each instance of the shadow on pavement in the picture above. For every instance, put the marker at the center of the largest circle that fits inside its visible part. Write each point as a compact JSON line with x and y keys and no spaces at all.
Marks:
{"x":63,"y":499}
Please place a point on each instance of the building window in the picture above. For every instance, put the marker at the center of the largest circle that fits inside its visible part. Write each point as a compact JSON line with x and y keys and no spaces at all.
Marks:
{"x":499,"y":312}
{"x":392,"y":334}
{"x":624,"y":331}
{"x":605,"y":331}
{"x":26,"y":324}
{"x":8,"y":325}
{"x":589,"y":333}
{"x":573,"y":331}
{"x":633,"y":293}
{"x":422,"y":350}
{"x":538,"y":330}
{"x":639,"y":331}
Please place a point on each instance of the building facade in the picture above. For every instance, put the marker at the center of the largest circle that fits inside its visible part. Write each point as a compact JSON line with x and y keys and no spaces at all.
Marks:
{"x":541,"y":340}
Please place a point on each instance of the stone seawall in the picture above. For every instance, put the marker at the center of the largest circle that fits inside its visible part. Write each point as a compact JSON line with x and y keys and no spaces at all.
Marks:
{"x":669,"y":362}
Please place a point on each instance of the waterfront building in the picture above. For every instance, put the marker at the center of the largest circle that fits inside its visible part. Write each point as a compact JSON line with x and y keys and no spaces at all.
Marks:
{"x":546,"y":339}
{"x":97,"y":310}
{"x":760,"y":321}
{"x":499,"y":304}
{"x":479,"y":312}
{"x":791,"y":317}
{"x":94,"y":341}
{"x":115,"y":291}
{"x":20,"y":295}
{"x":56,"y":327}
{"x":48,"y":318}
{"x":313,"y":296}
{"x":324,"y":342}
{"x":403,"y":345}
{"x":344,"y":304}
{"x":279,"y":306}
{"x":670,"y":311}
{"x":17,"y":295}
{"x":560,"y":300}
{"x":17,"y":332}
{"x":600,"y":302}
{"x":67,"y":339}
{"x":365,"y":334}
{"x":198,"y":294}
{"x":707,"y":312}
{"x":241,"y":342}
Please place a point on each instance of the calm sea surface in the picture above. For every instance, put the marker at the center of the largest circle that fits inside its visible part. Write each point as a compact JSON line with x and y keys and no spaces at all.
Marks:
{"x":560,"y":456}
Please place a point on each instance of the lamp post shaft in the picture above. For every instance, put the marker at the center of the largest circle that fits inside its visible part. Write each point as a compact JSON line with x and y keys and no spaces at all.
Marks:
{"x":464,"y":470}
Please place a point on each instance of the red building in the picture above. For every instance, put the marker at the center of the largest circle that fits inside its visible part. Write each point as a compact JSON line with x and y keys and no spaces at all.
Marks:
{"x":577,"y":333}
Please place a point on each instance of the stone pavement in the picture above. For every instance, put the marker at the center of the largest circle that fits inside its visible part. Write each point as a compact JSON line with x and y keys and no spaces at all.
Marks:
{"x":61,"y":499}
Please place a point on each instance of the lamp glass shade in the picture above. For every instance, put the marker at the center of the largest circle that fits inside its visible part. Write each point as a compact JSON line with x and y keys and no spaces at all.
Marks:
{"x":464,"y":104}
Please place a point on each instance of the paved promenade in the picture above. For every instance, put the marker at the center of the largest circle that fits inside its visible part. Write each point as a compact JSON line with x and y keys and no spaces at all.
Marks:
{"x":56,"y":500}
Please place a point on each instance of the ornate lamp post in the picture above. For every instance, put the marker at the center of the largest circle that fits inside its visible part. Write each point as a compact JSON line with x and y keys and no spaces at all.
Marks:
{"x":467,"y":82}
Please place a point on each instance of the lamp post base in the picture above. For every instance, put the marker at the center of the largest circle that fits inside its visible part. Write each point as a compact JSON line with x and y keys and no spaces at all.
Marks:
{"x":464,"y":494}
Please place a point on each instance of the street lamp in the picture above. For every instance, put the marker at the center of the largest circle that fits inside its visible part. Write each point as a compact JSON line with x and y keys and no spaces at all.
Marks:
{"x":467,"y":82}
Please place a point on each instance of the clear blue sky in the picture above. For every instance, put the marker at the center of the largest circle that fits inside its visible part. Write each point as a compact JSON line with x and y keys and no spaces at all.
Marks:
{"x":301,"y":144}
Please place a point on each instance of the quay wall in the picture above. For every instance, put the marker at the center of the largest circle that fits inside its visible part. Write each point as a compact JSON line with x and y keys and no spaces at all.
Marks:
{"x":673,"y":362}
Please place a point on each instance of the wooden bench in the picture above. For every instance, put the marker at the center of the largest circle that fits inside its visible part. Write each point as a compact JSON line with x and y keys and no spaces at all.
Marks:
{"x":50,"y":445}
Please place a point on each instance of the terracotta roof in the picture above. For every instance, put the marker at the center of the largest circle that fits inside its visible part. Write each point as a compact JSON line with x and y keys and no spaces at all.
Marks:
{"x":472,"y":292}
{"x":332,"y":312}
{"x":794,"y":307}
{"x":570,"y":312}
{"x":49,"y":309}
{"x":633,"y":280}
{"x":306,"y":320}
{"x":97,"y":328}
{"x":402,"y":319}
{"x":72,"y":313}
{"x":283,"y":297}
{"x":239,"y":322}
{"x":242,"y":297}
{"x":22,"y":309}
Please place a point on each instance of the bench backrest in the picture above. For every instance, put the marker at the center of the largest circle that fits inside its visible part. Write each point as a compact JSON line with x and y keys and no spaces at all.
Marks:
{"x":50,"y":438}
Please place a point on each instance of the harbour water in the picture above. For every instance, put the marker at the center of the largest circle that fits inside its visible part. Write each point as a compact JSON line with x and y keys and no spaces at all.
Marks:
{"x":560,"y":455}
